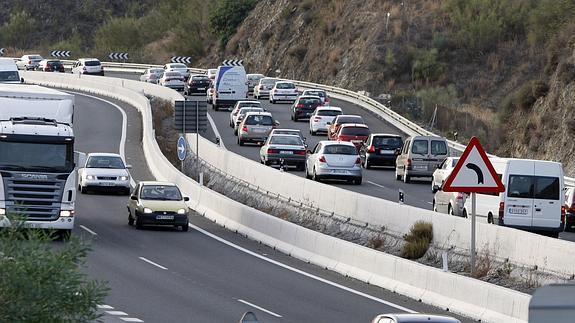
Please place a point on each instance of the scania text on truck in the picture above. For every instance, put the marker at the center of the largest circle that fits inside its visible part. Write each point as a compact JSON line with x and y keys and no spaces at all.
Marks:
{"x":37,"y":169}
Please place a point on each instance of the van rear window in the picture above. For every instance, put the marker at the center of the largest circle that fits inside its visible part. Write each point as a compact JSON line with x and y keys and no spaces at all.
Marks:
{"x":420,"y":147}
{"x":438,"y":147}
{"x":537,"y":187}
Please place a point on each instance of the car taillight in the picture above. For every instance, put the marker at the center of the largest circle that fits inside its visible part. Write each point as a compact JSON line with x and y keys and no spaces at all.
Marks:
{"x":322,"y":159}
{"x":300,"y":152}
{"x":29,"y":62}
{"x":563,"y":209}
{"x":299,"y":105}
{"x":245,"y":129}
{"x":409,"y":163}
{"x":273,"y":151}
{"x":501,"y":212}
{"x":572,"y":208}
{"x":371,"y":149}
{"x":358,"y":161}
{"x":316,"y":119}
{"x":459,"y":196}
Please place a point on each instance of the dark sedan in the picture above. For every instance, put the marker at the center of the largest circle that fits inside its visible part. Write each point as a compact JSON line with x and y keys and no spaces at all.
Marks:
{"x":380,"y":149}
{"x":197,"y":84}
{"x":304,"y":107}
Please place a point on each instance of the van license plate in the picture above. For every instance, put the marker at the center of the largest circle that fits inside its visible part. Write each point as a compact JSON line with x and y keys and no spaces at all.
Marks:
{"x":164,"y":217}
{"x":517,"y":210}
{"x":420,"y":167}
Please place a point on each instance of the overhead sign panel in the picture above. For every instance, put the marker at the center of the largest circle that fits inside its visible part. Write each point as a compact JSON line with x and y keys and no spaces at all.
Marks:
{"x":474,"y":172}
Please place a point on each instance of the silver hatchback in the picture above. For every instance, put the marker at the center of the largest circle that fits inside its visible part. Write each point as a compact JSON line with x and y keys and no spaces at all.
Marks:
{"x":256,"y":127}
{"x":337,"y":160}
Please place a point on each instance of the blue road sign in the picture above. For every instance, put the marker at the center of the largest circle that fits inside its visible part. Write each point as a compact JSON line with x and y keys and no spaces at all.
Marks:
{"x":182,"y":148}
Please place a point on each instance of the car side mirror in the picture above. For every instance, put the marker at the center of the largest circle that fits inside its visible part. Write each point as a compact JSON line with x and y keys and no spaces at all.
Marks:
{"x":276,"y":123}
{"x":436,"y":188}
{"x":186,"y":199}
{"x":128,"y":166}
{"x":134,"y":198}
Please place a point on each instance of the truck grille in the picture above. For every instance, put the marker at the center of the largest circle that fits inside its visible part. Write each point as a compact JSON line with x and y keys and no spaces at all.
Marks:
{"x":107,"y":178}
{"x":37,"y":198}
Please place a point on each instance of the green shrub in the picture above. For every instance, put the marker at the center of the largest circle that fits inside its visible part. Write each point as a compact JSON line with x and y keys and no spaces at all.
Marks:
{"x":521,"y":99}
{"x":228,"y":15}
{"x":425,"y":65}
{"x":18,"y":30}
{"x":441,"y":97}
{"x":547,"y":18}
{"x":119,"y":34}
{"x":417,"y":240}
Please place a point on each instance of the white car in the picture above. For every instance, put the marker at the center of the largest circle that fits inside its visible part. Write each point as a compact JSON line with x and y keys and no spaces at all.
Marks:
{"x":413,"y":318}
{"x":173,"y":80}
{"x":264,"y":87}
{"x":241,"y":115}
{"x":452,"y":203}
{"x":29,"y":62}
{"x":253,"y":80}
{"x":317,"y":92}
{"x":178,"y":67}
{"x":321,"y":118}
{"x":212,"y":73}
{"x":104,"y":172}
{"x":283,"y":91}
{"x":152,"y":75}
{"x":88,"y":66}
{"x":238,"y":106}
{"x":443,"y":171}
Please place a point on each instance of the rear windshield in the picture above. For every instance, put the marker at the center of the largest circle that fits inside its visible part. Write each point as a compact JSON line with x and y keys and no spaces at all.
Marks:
{"x":438,"y":147}
{"x":173,"y":74}
{"x":309,"y":101}
{"x":255,"y":77}
{"x":178,"y":66}
{"x":286,"y":140}
{"x":285,"y":86}
{"x":268,"y":81}
{"x":35,"y":58}
{"x":328,"y":113}
{"x":246,"y":110}
{"x":538,"y":187}
{"x":355,"y":131}
{"x":420,"y":147}
{"x":342,"y":120}
{"x":321,"y":94}
{"x":259,"y":121}
{"x":53,"y":63}
{"x":339,"y":150}
{"x":387,"y":142}
{"x":200,"y":78}
{"x":250,"y":104}
{"x":286,"y":132}
{"x":92,"y":63}
{"x":9,"y":76}
{"x":156,"y":71}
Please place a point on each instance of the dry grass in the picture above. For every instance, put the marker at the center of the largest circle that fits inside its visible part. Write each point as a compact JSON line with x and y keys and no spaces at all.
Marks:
{"x":418,"y":240}
{"x":483,"y":265}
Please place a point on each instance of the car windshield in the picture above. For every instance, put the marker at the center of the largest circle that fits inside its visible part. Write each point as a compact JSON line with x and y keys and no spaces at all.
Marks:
{"x":285,"y":85}
{"x":342,"y":120}
{"x":339,"y":150}
{"x":160,"y":192}
{"x":387,"y":142}
{"x":92,"y":63}
{"x":9,"y":76}
{"x":286,"y":140}
{"x":328,"y":113}
{"x":105,"y":162}
{"x":321,"y":94}
{"x":355,"y":131}
{"x":259,"y":121}
{"x":156,"y":71}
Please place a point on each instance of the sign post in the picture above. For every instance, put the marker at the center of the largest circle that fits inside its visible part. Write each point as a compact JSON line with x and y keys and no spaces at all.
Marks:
{"x":473,"y":174}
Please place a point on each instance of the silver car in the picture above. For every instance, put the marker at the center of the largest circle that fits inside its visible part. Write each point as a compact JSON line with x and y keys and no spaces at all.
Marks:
{"x":104,"y":172}
{"x":152,"y":75}
{"x":295,"y":132}
{"x":264,"y":87}
{"x":286,"y":149}
{"x":334,"y":160}
{"x":256,"y":127}
{"x":253,"y":80}
{"x":413,"y":318}
{"x":452,"y":203}
{"x":241,"y":115}
{"x":173,"y":80}
{"x":239,"y":105}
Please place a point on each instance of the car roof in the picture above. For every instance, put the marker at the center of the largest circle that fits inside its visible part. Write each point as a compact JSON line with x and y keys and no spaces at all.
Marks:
{"x":323,"y":107}
{"x":156,"y":183}
{"x":349,"y":115}
{"x":426,"y":137}
{"x":314,"y":90}
{"x":385,"y":135}
{"x":249,"y":101}
{"x":89,"y":59}
{"x":104,"y":154}
{"x":262,"y":113}
{"x":283,"y":135}
{"x":336,"y":142}
{"x":287,"y":82}
{"x":283,"y":129}
{"x":354,"y":125}
{"x":420,"y":317}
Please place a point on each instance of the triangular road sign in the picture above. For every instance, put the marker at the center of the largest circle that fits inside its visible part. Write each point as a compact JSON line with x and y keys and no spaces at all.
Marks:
{"x":473,"y":172}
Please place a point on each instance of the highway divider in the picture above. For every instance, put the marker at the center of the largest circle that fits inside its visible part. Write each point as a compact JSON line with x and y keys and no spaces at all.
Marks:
{"x":458,"y":294}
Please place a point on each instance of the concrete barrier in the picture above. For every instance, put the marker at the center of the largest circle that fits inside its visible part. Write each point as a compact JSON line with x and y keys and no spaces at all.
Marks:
{"x":460,"y":294}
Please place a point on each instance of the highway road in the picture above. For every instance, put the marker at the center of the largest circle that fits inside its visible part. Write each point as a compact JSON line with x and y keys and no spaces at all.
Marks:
{"x":208,"y":274}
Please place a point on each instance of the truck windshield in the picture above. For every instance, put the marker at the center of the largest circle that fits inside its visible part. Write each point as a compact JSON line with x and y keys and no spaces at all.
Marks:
{"x":36,"y":156}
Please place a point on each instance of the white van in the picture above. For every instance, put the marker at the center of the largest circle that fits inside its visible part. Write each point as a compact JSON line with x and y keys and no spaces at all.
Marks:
{"x":533,"y":197}
{"x":230,"y":85}
{"x":9,"y":71}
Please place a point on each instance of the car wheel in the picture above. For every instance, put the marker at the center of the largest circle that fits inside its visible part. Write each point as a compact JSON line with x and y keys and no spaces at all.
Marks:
{"x":314,"y":176}
{"x":397,"y":176}
{"x":434,"y":206}
{"x":490,"y":218}
{"x":185,"y":227}
{"x":366,"y":164}
{"x":464,"y":214}
{"x":235,"y":132}
{"x":240,"y":142}
{"x":83,"y":190}
{"x":450,"y":210}
{"x":406,"y":177}
{"x":64,"y":234}
{"x":139,"y":224}
{"x":130,"y":220}
{"x":357,"y":181}
{"x":216,"y":107}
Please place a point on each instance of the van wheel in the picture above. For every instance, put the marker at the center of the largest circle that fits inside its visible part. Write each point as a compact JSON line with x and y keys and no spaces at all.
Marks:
{"x":490,"y":218}
{"x":397,"y":176}
{"x":464,"y":214}
{"x":450,"y":210}
{"x":240,"y":142}
{"x":406,"y":178}
{"x":434,"y":206}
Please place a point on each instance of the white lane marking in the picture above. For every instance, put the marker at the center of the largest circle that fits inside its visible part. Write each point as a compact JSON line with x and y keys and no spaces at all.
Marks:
{"x":378,"y":185}
{"x":130,"y":319}
{"x":153,"y":263}
{"x":122,"y":148}
{"x":216,"y":132}
{"x":118,"y":313}
{"x":259,"y":308}
{"x":430,"y":203}
{"x":301,"y":272}
{"x":105,"y":307}
{"x":89,"y":231}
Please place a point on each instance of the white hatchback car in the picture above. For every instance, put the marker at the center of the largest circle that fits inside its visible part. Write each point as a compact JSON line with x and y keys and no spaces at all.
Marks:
{"x":29,"y":62}
{"x":283,"y":91}
{"x":178,"y":67}
{"x":413,"y":318}
{"x":321,"y":118}
{"x":104,"y":172}
{"x":173,"y":80}
{"x":88,"y":66}
{"x":443,"y":171}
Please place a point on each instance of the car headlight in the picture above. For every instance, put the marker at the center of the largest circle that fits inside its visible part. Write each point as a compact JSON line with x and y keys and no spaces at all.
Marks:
{"x":147,"y":210}
{"x":2,"y":211}
{"x":123,"y":178}
{"x":90,"y":177}
{"x":181,"y":211}
{"x":66,"y":213}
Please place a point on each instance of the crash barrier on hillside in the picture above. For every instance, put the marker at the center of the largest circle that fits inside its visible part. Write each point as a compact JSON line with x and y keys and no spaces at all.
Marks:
{"x":459,"y":294}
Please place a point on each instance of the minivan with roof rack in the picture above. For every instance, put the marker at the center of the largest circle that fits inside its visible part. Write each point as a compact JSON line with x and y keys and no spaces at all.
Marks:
{"x":420,"y":156}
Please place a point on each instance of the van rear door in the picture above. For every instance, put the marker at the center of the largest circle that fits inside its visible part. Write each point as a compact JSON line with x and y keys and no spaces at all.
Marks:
{"x":547,"y":197}
{"x":518,"y":209}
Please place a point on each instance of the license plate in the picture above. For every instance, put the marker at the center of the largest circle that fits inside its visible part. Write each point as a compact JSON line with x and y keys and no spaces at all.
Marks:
{"x":201,"y":88}
{"x":517,"y":210}
{"x":339,"y":171}
{"x":286,"y":152}
{"x":164,"y":217}
{"x":106,"y":184}
{"x":421,"y":167}
{"x":260,"y":130}
{"x":386,"y":152}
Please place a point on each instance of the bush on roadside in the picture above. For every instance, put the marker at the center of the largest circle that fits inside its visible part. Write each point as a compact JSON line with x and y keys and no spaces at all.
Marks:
{"x":418,"y":239}
{"x":228,"y":15}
